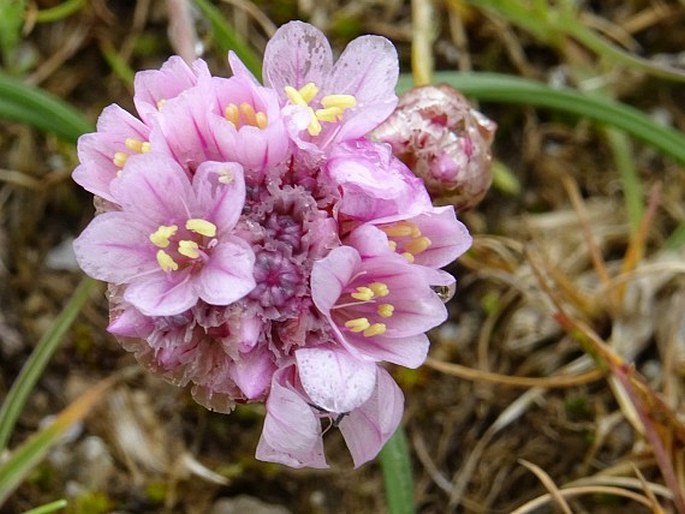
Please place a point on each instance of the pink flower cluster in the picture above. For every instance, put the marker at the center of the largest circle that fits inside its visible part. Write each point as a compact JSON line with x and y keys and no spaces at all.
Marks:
{"x":259,"y":248}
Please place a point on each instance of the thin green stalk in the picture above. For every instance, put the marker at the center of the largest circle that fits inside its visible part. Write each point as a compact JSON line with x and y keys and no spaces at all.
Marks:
{"x":48,"y":507}
{"x":632,"y":187}
{"x":59,"y":11}
{"x":35,"y":364}
{"x":229,"y":39}
{"x":28,"y":455}
{"x":613,"y":54}
{"x":35,"y":107}
{"x":397,"y":476}
{"x":497,"y":87}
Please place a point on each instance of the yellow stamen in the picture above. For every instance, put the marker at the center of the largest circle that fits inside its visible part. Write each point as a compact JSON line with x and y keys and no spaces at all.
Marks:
{"x":331,"y":114}
{"x":160,"y":237}
{"x":160,"y":104}
{"x":392,"y":245}
{"x":120,"y":159}
{"x":202,"y":227}
{"x":249,"y":114}
{"x":225,"y":176}
{"x":295,"y":96}
{"x":188,"y":248}
{"x":137,"y":145}
{"x":341,"y":101}
{"x":374,"y":330}
{"x":363,"y":293}
{"x":401,"y":229}
{"x":386,"y":310}
{"x":408,"y":256}
{"x":418,"y":245}
{"x":165,"y":261}
{"x":232,"y":114}
{"x":261,"y":120}
{"x":314,"y":127}
{"x":379,"y":288}
{"x":357,"y":324}
{"x":308,"y":91}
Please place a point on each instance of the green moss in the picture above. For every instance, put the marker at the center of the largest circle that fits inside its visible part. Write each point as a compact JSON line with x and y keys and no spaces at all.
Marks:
{"x":90,"y":503}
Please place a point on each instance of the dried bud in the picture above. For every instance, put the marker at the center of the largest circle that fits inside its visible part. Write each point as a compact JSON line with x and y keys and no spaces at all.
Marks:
{"x":444,"y":141}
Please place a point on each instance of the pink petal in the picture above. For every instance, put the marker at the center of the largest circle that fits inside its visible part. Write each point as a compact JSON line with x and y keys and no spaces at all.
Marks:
{"x":239,"y":69}
{"x":153,"y":86}
{"x":331,"y":274}
{"x":183,"y":126}
{"x":220,"y":192}
{"x":96,"y":150}
{"x":227,"y":276}
{"x":333,"y":379}
{"x":449,"y":237}
{"x":292,"y":432}
{"x":129,"y":322}
{"x":162,"y":294}
{"x":367,"y":69}
{"x":114,"y":248}
{"x":253,"y":371}
{"x":409,"y":352}
{"x":368,"y":428}
{"x":153,"y":187}
{"x":298,"y":53}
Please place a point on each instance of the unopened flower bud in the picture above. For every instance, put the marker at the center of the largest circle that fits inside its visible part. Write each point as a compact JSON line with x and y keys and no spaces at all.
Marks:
{"x":444,"y":141}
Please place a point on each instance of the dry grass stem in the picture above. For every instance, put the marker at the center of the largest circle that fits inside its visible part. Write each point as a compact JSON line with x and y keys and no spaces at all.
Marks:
{"x":549,"y":485}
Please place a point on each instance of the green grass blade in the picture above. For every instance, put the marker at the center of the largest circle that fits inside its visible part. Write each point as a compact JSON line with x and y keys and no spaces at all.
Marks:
{"x":495,"y":87}
{"x":396,"y":466}
{"x":20,"y":463}
{"x":35,"y":107}
{"x":48,"y":507}
{"x":630,"y":179}
{"x":35,"y":364}
{"x":228,"y":39}
{"x":60,"y":11}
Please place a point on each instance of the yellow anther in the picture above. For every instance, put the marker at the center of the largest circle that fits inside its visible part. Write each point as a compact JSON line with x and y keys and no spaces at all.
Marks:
{"x":363,"y":293}
{"x":374,"y":330}
{"x":385,"y":310}
{"x":402,"y":229}
{"x":341,"y":101}
{"x":418,"y":245}
{"x":308,"y":91}
{"x":202,"y":227}
{"x":225,"y":176}
{"x":357,"y":324}
{"x":261,"y":120}
{"x":249,"y":114}
{"x":160,"y":104}
{"x":232,"y":114}
{"x":392,"y":245}
{"x":165,"y":261}
{"x":314,"y":127}
{"x":295,"y":96}
{"x":160,"y":237}
{"x":331,"y":114}
{"x":137,"y":145}
{"x":120,"y":159}
{"x":408,"y":256}
{"x":379,"y":288}
{"x":188,"y":248}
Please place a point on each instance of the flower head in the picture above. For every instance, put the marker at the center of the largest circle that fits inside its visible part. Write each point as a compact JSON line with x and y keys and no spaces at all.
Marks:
{"x":260,"y":248}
